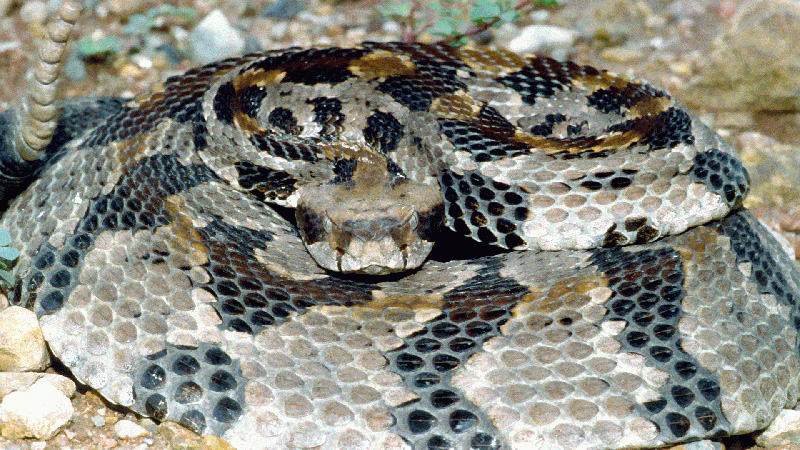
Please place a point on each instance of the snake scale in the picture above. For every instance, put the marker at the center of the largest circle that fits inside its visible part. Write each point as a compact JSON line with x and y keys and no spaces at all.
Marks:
{"x":613,"y":293}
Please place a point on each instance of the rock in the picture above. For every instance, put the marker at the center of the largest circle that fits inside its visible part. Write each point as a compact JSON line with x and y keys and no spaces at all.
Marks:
{"x":98,"y":421}
{"x":214,"y":38}
{"x":22,"y":347}
{"x":767,"y":160}
{"x":548,"y":39}
{"x":783,"y":431}
{"x":125,"y":8}
{"x":39,"y":412}
{"x":283,"y":9}
{"x":19,"y":381}
{"x":754,"y":64}
{"x":33,"y":12}
{"x":126,"y":429}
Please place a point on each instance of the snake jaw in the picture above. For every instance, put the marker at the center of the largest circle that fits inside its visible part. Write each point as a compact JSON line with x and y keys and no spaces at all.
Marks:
{"x":391,"y":242}
{"x":376,"y":234}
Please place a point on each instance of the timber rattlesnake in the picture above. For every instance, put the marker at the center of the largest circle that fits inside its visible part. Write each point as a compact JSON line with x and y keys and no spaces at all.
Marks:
{"x":658,"y":311}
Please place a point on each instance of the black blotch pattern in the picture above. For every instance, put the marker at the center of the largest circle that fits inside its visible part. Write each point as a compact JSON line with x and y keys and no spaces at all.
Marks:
{"x":482,"y":144}
{"x":251,"y":99}
{"x":292,"y":151}
{"x":251,"y":297}
{"x":757,"y":250}
{"x":666,"y":129}
{"x":328,"y":113}
{"x":395,"y":171}
{"x":180,"y":100}
{"x":312,"y":66}
{"x":434,"y":76}
{"x":614,"y":99}
{"x":223,"y":103}
{"x":611,"y":179}
{"x":722,"y":174}
{"x":135,"y":203}
{"x":265,"y":183}
{"x":383,"y":132}
{"x":543,"y":77}
{"x":284,"y":119}
{"x":483,"y":209}
{"x":173,"y":385}
{"x":443,"y":417}
{"x":546,"y":128}
{"x":343,"y":170}
{"x":647,"y":290}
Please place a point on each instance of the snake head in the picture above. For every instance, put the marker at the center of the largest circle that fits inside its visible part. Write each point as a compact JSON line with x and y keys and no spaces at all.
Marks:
{"x":354,"y":227}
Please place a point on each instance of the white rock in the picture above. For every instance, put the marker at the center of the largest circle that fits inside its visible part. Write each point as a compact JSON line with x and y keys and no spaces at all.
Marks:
{"x":540,"y":38}
{"x":38,"y":412}
{"x":19,"y":381}
{"x":126,"y":429}
{"x":22,"y":347}
{"x":215,"y":38}
{"x":784,"y":430}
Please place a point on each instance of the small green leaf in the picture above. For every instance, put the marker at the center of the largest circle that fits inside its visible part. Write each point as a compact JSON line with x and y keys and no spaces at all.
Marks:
{"x":485,"y":11}
{"x":87,"y":47}
{"x":138,"y":24}
{"x":182,"y":13}
{"x":445,"y":27}
{"x":5,"y":238}
{"x":6,"y":278}
{"x":509,"y":16}
{"x":400,"y":9}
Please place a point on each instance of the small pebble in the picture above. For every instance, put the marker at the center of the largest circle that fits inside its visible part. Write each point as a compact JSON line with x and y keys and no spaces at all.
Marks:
{"x":215,"y":38}
{"x":33,"y":12}
{"x":126,"y":429}
{"x":98,"y":421}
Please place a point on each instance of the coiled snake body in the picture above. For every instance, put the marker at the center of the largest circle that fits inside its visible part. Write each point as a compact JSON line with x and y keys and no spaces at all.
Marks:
{"x":637,"y":304}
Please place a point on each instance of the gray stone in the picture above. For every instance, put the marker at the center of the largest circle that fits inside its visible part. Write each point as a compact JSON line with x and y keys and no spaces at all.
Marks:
{"x":39,"y":412}
{"x":214,"y":38}
{"x":22,"y":347}
{"x":543,"y":39}
{"x":283,"y":9}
